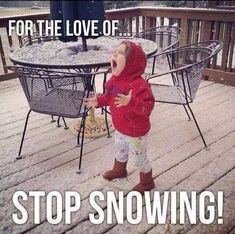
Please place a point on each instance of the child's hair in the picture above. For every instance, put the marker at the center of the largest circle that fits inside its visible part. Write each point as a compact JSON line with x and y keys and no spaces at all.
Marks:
{"x":128,"y":47}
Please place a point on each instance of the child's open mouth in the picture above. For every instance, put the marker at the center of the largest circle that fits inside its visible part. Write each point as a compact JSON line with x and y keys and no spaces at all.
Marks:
{"x":114,"y":64}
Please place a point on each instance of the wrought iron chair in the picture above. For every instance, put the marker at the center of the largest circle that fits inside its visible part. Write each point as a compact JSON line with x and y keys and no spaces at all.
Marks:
{"x":185,"y":70}
{"x":166,"y":37}
{"x":36,"y":38}
{"x":57,"y":93}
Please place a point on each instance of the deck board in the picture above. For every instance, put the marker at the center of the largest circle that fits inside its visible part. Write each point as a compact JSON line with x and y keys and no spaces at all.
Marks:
{"x":176,"y":152}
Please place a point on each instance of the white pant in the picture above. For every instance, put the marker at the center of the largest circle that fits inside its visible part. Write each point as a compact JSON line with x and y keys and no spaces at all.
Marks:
{"x":136,"y":146}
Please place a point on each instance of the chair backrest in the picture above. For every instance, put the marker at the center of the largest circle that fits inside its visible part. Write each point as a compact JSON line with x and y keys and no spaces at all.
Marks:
{"x":166,"y":37}
{"x":55,"y":92}
{"x":201,"y":61}
{"x":215,"y":46}
{"x":186,"y":65}
{"x":161,"y":61}
{"x":194,"y":61}
{"x":36,"y":38}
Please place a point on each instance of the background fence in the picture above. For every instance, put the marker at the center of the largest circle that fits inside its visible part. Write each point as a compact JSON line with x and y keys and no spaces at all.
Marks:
{"x":197,"y":24}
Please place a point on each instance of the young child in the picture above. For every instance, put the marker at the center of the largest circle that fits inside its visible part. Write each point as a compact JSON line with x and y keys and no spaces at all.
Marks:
{"x":131,"y":102}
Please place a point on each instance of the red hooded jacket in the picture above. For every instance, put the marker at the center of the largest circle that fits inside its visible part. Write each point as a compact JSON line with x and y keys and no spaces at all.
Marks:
{"x":133,"y":119}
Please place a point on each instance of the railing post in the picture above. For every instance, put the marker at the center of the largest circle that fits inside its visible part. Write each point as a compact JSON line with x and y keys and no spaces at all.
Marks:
{"x":122,"y":25}
{"x":205,"y":32}
{"x":143,"y":23}
{"x":184,"y":25}
{"x":3,"y":56}
{"x":150,"y":22}
{"x":137,"y":29}
{"x":232,"y":43}
{"x":130,"y":26}
{"x":216,"y":30}
{"x":195,"y":31}
{"x":226,"y":43}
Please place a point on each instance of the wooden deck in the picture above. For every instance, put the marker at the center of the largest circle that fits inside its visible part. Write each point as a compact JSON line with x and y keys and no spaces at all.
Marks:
{"x":176,"y":152}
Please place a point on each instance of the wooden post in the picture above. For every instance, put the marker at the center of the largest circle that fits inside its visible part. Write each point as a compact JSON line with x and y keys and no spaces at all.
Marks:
{"x":150,"y":22}
{"x":184,"y":26}
{"x":215,"y":37}
{"x":205,"y":34}
{"x":143,"y":23}
{"x":3,"y":56}
{"x":130,"y":26}
{"x":226,"y":42}
{"x":232,"y":43}
{"x":137,"y":25}
{"x":205,"y":30}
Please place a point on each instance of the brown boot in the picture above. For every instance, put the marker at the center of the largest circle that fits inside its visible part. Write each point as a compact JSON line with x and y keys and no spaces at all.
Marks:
{"x":118,"y":171}
{"x":146,"y":183}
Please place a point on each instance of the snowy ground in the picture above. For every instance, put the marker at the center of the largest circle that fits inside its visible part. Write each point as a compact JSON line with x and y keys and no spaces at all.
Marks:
{"x":176,"y":153}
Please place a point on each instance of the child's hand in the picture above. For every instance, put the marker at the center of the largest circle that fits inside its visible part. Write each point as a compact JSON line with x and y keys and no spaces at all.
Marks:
{"x":123,"y":100}
{"x":91,"y":102}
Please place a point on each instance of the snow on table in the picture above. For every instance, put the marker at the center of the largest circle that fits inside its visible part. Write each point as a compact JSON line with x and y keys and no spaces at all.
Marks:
{"x":70,"y":53}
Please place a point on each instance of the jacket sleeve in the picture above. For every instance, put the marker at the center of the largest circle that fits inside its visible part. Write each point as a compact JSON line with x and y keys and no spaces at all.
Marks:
{"x":142,"y":102}
{"x":103,"y":100}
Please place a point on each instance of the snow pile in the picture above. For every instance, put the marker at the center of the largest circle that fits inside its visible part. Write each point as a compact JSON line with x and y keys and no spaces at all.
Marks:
{"x":70,"y":53}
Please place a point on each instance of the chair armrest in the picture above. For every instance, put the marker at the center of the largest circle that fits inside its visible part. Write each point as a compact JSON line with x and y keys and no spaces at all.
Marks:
{"x":159,"y":54}
{"x":149,"y":76}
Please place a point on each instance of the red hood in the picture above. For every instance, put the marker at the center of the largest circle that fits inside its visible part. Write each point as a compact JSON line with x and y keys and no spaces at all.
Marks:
{"x":136,"y":63}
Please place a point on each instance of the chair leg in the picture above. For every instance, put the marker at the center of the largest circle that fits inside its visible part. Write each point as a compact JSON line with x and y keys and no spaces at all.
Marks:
{"x":153,"y":67}
{"x":81,"y":149}
{"x":189,"y":118}
{"x":106,"y":122}
{"x":79,"y":133}
{"x":52,"y":119}
{"x":58,"y":122}
{"x":22,"y":139}
{"x":204,"y":142}
{"x":65,"y":125}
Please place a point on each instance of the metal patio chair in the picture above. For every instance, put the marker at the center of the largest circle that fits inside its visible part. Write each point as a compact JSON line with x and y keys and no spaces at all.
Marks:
{"x":166,"y":38}
{"x":36,"y":38}
{"x":184,"y":70}
{"x":57,"y":93}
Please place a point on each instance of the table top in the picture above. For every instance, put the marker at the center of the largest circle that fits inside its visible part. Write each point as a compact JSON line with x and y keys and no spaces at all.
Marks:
{"x":57,"y":54}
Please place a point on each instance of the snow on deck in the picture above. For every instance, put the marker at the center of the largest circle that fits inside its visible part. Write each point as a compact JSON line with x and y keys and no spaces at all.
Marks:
{"x":176,"y":152}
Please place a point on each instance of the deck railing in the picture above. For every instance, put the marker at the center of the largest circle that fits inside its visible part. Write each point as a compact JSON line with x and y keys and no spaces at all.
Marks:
{"x":197,"y":25}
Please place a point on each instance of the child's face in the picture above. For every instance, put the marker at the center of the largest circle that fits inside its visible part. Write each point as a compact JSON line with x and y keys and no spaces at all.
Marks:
{"x":118,"y":61}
